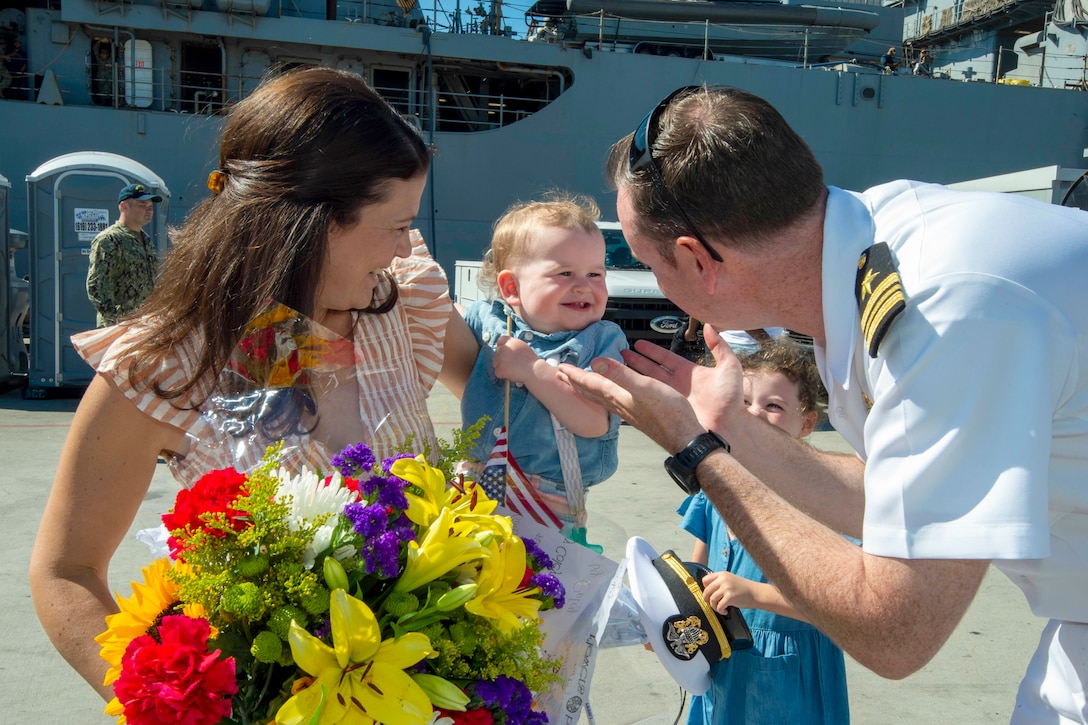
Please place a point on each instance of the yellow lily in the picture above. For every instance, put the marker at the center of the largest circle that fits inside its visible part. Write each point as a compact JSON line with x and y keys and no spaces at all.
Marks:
{"x":442,"y":692}
{"x":500,"y":595}
{"x":500,"y":526}
{"x":423,"y":508}
{"x":360,"y":680}
{"x":447,"y":545}
{"x":437,"y":494}
{"x":474,"y":501}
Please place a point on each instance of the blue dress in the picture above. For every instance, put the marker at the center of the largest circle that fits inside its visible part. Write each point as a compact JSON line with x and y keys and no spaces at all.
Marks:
{"x":792,"y":675}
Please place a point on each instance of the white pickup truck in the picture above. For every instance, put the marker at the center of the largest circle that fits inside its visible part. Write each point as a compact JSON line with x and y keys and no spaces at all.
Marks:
{"x":634,"y":301}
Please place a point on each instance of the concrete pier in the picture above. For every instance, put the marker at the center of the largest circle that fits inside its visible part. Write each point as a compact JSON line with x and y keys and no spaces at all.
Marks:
{"x":972,"y":680}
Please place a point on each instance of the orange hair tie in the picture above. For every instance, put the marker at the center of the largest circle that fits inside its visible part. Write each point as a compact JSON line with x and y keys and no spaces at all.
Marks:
{"x":217,"y":181}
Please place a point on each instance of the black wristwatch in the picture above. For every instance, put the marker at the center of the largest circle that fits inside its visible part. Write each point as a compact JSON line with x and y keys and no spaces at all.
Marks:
{"x":682,"y":466}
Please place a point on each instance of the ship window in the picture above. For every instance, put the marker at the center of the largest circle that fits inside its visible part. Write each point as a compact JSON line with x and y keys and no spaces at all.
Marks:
{"x":395,"y":85}
{"x":105,"y":73}
{"x":201,"y":78}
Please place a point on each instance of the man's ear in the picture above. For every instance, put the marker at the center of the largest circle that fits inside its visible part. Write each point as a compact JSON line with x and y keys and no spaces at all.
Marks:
{"x":507,"y":283}
{"x":692,"y":251}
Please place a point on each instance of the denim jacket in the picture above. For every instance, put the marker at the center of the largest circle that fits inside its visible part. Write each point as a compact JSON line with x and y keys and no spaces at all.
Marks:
{"x":531,"y":436}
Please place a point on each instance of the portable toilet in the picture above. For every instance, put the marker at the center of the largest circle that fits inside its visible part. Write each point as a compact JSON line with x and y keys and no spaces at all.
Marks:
{"x":7,"y":363}
{"x":71,"y":198}
{"x":19,"y":309}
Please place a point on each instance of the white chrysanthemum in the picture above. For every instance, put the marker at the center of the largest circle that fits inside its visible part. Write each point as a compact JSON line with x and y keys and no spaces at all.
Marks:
{"x":310,"y":499}
{"x":438,"y":719}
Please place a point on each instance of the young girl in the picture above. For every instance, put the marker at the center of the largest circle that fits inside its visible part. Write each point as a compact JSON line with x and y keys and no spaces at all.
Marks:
{"x":547,"y":264}
{"x":793,"y":673}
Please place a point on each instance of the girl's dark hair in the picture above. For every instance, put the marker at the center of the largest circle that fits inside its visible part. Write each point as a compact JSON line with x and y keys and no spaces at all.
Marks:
{"x":308,"y":149}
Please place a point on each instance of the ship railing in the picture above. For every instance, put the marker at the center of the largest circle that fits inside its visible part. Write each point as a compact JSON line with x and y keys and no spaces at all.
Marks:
{"x":444,"y":109}
{"x":194,"y":92}
{"x":465,"y":111}
{"x":798,"y":45}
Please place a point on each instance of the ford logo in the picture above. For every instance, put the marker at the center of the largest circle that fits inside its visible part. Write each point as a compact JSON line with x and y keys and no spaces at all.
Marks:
{"x":666,"y":324}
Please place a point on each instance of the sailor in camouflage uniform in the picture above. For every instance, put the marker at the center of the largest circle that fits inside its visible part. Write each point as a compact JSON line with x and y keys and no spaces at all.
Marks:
{"x":124,"y":261}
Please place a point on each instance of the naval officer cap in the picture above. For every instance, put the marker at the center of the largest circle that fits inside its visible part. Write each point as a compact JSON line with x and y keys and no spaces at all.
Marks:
{"x":687,"y":635}
{"x":139,"y":192}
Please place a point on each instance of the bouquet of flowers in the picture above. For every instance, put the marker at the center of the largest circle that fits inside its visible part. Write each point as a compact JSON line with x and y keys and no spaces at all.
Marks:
{"x":382,"y":593}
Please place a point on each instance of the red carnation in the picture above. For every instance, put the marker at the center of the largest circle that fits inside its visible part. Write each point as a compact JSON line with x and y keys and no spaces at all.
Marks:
{"x":176,"y":679}
{"x":350,"y":484}
{"x":214,"y":493}
{"x":471,"y":717}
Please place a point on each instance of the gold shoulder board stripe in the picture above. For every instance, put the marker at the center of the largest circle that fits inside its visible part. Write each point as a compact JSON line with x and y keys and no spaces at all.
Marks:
{"x":879,"y":293}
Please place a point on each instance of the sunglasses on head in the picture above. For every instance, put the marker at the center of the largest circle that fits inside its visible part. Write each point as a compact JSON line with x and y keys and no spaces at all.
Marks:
{"x":642,"y":157}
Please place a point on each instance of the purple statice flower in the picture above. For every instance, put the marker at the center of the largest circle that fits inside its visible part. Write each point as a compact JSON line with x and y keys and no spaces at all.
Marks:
{"x":324,"y":630}
{"x":510,"y":696}
{"x":550,"y":586}
{"x":541,"y":559}
{"x":392,"y":494}
{"x":537,"y":718}
{"x":368,"y":486}
{"x":404,"y":528}
{"x":367,"y":520}
{"x":354,"y":459}
{"x":381,"y":555}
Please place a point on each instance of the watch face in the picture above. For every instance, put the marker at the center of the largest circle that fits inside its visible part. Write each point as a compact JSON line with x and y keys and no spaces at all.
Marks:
{"x":682,"y":466}
{"x":684,"y":477}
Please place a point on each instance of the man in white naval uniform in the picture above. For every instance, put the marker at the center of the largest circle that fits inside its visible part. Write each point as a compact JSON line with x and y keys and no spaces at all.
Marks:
{"x":951,"y":330}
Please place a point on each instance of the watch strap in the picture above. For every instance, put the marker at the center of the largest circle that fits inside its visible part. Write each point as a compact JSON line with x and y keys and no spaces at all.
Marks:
{"x":699,"y":448}
{"x":681,"y":467}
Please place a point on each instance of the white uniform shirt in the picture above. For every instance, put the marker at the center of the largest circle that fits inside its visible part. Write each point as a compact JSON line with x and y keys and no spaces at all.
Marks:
{"x":976,"y":445}
{"x":741,"y":338}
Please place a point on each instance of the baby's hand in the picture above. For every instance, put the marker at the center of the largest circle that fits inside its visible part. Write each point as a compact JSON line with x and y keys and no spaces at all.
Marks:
{"x":514,"y":359}
{"x":722,"y":589}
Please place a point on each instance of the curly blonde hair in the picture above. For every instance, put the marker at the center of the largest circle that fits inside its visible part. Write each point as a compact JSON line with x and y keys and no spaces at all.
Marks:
{"x":513,"y":232}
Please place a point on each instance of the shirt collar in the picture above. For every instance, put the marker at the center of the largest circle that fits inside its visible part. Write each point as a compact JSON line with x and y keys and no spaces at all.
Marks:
{"x":519,"y":326}
{"x":848,"y":231}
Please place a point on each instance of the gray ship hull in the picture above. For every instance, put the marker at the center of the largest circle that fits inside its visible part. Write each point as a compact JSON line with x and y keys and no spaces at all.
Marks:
{"x":865,"y":129}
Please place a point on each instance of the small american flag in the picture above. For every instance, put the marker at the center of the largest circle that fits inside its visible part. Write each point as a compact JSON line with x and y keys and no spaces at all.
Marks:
{"x":504,"y":481}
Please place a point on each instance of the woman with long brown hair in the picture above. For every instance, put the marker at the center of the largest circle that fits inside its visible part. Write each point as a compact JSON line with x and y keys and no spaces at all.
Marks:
{"x":307,"y":237}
